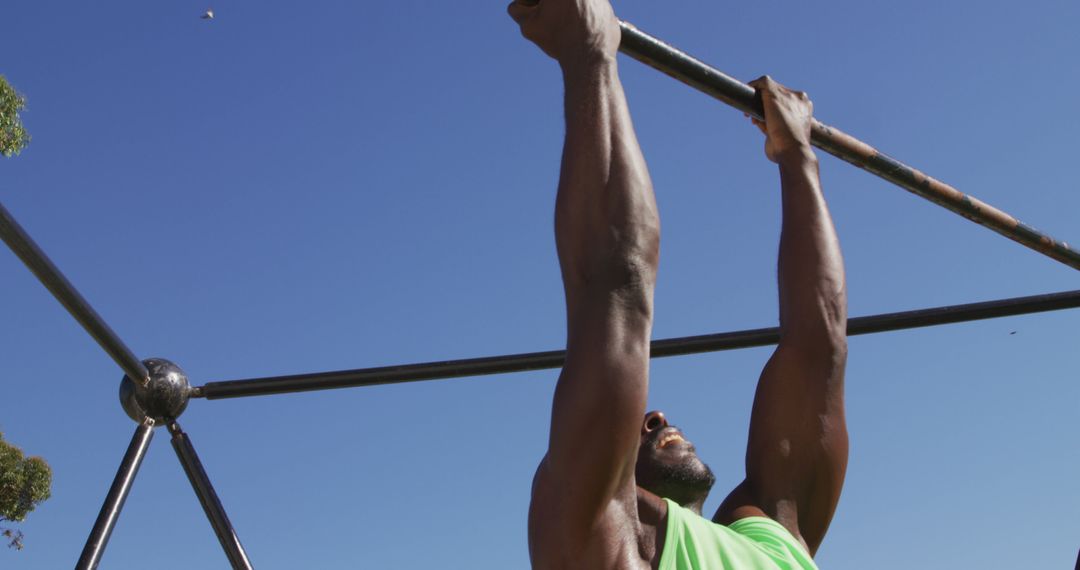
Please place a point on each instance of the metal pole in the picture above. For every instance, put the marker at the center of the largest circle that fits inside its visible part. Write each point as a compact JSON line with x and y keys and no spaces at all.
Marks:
{"x":208,"y":499}
{"x":711,"y":81}
{"x":660,"y":348}
{"x":36,"y":260}
{"x":114,"y":501}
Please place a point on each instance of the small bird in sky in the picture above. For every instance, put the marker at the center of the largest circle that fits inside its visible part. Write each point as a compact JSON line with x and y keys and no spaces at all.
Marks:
{"x":209,"y":15}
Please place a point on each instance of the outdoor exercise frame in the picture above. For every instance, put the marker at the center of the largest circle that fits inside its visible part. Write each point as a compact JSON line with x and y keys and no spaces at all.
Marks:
{"x":150,"y":410}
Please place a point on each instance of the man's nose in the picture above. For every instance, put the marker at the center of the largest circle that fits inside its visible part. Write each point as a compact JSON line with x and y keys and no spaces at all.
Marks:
{"x":654,"y":420}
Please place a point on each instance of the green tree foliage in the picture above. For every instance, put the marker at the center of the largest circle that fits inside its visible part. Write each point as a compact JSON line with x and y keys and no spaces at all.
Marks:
{"x":24,"y":483}
{"x":13,"y":137}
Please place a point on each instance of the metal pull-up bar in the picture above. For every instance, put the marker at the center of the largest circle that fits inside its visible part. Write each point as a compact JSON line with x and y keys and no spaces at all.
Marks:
{"x":713,"y":82}
{"x":659,"y":348}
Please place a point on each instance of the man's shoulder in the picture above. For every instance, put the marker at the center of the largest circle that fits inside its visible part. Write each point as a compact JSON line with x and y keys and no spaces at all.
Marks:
{"x":616,"y":538}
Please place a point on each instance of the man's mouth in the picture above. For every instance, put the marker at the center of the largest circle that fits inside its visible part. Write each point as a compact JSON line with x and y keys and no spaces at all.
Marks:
{"x":673,"y":437}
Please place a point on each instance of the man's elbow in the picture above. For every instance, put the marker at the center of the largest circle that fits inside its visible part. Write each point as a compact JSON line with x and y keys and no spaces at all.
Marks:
{"x":623,"y":265}
{"x":631,"y":272}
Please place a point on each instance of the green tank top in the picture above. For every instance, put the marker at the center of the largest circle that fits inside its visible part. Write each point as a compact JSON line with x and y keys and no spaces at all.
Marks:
{"x":753,"y":543}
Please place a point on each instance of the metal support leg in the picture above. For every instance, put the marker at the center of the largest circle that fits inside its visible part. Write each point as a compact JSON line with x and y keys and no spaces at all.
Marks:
{"x":114,"y":501}
{"x":208,"y":499}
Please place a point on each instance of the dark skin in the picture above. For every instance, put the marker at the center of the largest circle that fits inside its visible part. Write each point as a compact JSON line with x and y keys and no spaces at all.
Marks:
{"x":596,"y":497}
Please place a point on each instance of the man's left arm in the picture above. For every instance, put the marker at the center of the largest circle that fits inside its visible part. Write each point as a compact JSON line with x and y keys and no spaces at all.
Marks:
{"x":797,"y":450}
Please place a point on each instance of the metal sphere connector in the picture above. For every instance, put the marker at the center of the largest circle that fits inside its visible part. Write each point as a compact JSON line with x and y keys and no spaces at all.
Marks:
{"x":163,"y":399}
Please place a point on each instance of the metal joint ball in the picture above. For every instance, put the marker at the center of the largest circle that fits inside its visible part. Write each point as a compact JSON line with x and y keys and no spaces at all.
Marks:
{"x":162,"y":399}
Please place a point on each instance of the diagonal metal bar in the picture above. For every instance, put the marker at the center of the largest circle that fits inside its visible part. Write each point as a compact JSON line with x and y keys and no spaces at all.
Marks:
{"x":208,"y":499}
{"x":660,"y":348}
{"x":114,"y":501}
{"x":711,"y":81}
{"x":36,"y":260}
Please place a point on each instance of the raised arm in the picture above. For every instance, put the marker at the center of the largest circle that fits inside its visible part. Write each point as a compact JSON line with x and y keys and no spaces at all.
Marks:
{"x":607,"y":234}
{"x":797,"y":450}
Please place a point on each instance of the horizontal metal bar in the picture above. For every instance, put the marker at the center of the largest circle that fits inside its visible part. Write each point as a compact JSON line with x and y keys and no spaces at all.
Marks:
{"x":114,"y":501}
{"x":711,"y":81}
{"x":36,"y":260}
{"x":208,"y":498}
{"x":660,"y":348}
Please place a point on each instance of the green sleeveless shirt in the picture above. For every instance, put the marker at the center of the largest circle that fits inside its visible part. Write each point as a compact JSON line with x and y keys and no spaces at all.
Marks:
{"x":753,"y":543}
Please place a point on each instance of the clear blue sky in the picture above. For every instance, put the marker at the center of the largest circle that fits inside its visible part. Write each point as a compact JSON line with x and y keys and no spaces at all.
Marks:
{"x":307,"y":186}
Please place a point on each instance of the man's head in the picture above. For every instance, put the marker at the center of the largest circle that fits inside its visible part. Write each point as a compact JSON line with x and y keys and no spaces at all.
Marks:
{"x":668,"y":465}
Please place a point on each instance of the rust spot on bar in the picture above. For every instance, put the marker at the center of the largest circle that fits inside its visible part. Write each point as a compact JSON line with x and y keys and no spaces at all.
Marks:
{"x":856,"y":152}
{"x":1035,"y":237}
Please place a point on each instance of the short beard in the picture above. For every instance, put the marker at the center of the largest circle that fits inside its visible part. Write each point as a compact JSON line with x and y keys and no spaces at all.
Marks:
{"x":685,"y":483}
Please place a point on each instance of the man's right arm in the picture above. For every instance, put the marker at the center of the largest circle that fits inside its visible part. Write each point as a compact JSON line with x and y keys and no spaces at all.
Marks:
{"x":607,"y":236}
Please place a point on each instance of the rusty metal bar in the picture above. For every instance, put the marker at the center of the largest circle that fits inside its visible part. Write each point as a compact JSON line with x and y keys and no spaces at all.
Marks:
{"x":39,"y":264}
{"x":660,"y":348}
{"x":709,"y":80}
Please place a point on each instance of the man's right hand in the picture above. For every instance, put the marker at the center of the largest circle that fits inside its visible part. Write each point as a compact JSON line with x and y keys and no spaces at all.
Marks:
{"x":573,"y":32}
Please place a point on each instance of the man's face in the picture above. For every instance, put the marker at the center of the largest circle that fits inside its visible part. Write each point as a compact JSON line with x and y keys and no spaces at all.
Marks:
{"x":667,"y":463}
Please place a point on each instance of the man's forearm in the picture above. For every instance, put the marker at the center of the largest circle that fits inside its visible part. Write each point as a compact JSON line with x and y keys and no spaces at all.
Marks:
{"x":607,"y":228}
{"x":813,"y":304}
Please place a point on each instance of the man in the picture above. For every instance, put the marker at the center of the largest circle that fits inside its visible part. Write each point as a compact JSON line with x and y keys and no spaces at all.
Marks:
{"x":615,"y":491}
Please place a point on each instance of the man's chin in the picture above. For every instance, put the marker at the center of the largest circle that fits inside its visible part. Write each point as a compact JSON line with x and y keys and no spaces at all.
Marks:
{"x":685,"y":481}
